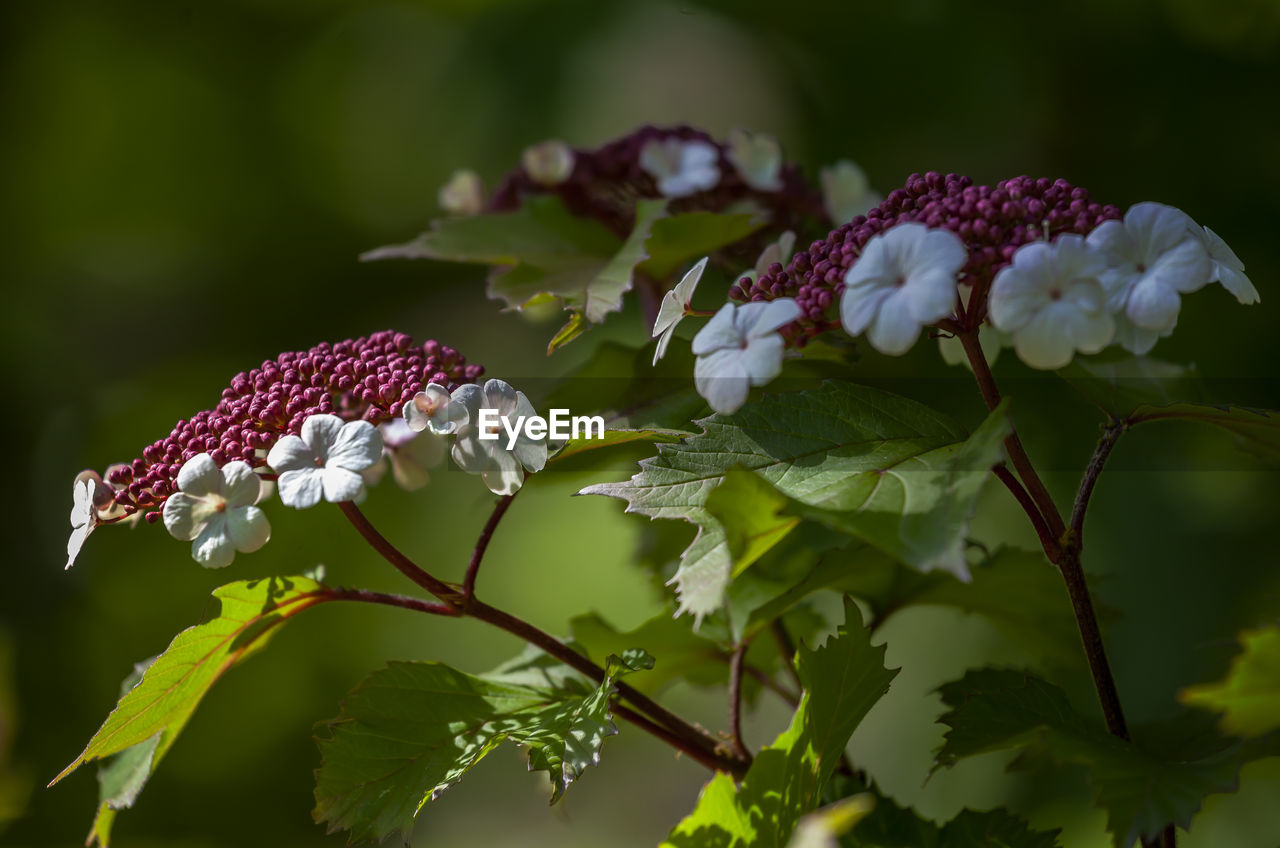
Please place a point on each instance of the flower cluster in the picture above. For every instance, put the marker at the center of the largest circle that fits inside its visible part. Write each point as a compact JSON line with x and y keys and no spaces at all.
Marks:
{"x":681,"y":163}
{"x":369,"y":378}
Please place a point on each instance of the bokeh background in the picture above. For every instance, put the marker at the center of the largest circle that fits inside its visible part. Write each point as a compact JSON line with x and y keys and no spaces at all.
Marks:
{"x":187,"y":187}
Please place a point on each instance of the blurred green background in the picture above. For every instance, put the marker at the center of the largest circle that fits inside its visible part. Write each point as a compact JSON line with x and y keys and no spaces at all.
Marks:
{"x":187,"y":188}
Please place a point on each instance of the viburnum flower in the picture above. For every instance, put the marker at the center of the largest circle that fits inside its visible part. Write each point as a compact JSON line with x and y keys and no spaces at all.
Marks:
{"x":740,"y":347}
{"x":327,"y":460}
{"x":1052,"y":301}
{"x":1155,"y":255}
{"x":905,"y":279}
{"x":548,"y":163}
{"x":758,"y":158}
{"x":431,"y":409}
{"x":774,"y":253}
{"x":846,"y":191}
{"x":411,"y":454}
{"x":501,"y":465}
{"x":463,"y":194}
{"x":214,"y":509}
{"x":83,"y":516}
{"x":681,"y":168}
{"x":675,"y":305}
{"x":1228,"y":269}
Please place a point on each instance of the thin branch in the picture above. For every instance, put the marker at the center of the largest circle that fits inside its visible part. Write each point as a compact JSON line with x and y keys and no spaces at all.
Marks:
{"x":667,"y":736}
{"x":1111,"y":434}
{"x":407,"y":567}
{"x":788,"y":649}
{"x":477,"y":555}
{"x":402,"y":601}
{"x":1047,"y":541}
{"x":772,"y":685}
{"x":735,"y":699}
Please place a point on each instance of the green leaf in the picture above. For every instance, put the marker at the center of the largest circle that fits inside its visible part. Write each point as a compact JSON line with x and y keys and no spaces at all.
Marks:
{"x":582,"y":444}
{"x":173,"y":685}
{"x":885,"y":468}
{"x":891,"y":826}
{"x":843,"y":680}
{"x":413,"y":729}
{"x":1118,"y":383}
{"x":823,"y":827}
{"x":1142,"y":789}
{"x":1249,"y":696}
{"x":159,"y":697}
{"x":1255,"y":431}
{"x":748,"y":509}
{"x":681,"y":239}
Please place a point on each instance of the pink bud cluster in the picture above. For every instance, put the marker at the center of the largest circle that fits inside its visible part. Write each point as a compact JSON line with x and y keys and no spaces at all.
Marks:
{"x":368,"y":378}
{"x":606,"y":183}
{"x":993,"y":222}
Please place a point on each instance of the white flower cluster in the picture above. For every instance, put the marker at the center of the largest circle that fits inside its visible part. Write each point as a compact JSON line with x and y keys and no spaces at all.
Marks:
{"x":216,"y":509}
{"x":1122,"y":284}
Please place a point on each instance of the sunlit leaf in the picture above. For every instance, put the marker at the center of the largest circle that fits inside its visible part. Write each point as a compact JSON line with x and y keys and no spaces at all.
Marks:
{"x":1249,"y":696}
{"x":682,"y":239}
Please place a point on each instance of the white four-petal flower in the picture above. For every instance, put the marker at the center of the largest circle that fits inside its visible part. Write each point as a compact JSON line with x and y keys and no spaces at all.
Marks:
{"x":758,"y":158}
{"x":83,"y":516}
{"x":502,"y":469}
{"x":214,"y":510}
{"x":463,"y":194}
{"x":412,"y":454}
{"x":904,"y":279}
{"x":326,"y":461}
{"x":1228,"y":269}
{"x":548,"y":163}
{"x":675,"y":305}
{"x":1051,"y":299}
{"x":432,"y":410}
{"x":680,"y":168}
{"x":740,"y":347}
{"x":846,"y":192}
{"x":1156,"y":254}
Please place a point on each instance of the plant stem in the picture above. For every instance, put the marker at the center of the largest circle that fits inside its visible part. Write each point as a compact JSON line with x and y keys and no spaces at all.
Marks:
{"x":788,"y":649}
{"x":667,"y":736}
{"x":473,"y":567}
{"x":735,"y":699}
{"x":1110,"y":435}
{"x":469,"y":605}
{"x":1013,"y":445}
{"x":402,"y":601}
{"x":1047,"y":541}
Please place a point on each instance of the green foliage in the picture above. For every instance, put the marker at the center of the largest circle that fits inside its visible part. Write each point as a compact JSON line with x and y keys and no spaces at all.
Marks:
{"x":153,"y":710}
{"x":891,"y":826}
{"x":885,"y":469}
{"x":413,"y":729}
{"x":1255,"y":431}
{"x":1141,"y":789}
{"x":843,"y":680}
{"x":681,"y":239}
{"x":1249,"y":696}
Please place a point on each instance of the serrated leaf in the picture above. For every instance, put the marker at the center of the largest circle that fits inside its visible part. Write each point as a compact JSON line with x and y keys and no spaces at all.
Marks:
{"x":843,"y":680}
{"x":413,"y":729}
{"x":1249,"y":696}
{"x":1255,"y":431}
{"x":681,"y":239}
{"x":892,"y":826}
{"x":122,"y":776}
{"x":748,"y":508}
{"x":877,"y":465}
{"x":610,"y":438}
{"x":1141,"y":789}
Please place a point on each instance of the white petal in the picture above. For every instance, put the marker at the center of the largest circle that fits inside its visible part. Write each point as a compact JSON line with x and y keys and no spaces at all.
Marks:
{"x":240,"y":485}
{"x":500,"y":395}
{"x":660,"y":349}
{"x":472,"y":455}
{"x":894,"y":330}
{"x":213,"y":547}
{"x":1157,"y":227}
{"x":290,"y":454}
{"x":758,"y":158}
{"x":763,"y":358}
{"x":463,"y":194}
{"x":341,"y":484}
{"x":504,"y":477}
{"x":689,"y":283}
{"x":764,"y":318}
{"x":858,"y":307}
{"x":1238,"y":284}
{"x":199,"y":475}
{"x":302,"y":488}
{"x":670,"y":311}
{"x":931,"y":294}
{"x":718,"y":333}
{"x":186,"y":515}
{"x":1015,"y":299}
{"x":1153,"y":306}
{"x":1184,"y":268}
{"x":722,"y":379}
{"x":248,"y":528}
{"x":548,"y":163}
{"x":358,"y":445}
{"x":413,"y":415}
{"x":935,"y":250}
{"x":320,"y":432}
{"x":846,"y":192}
{"x":1133,"y":338}
{"x":75,"y":542}
{"x":1045,"y":341}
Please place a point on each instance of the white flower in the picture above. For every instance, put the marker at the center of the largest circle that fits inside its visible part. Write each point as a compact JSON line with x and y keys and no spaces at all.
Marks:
{"x":775,"y":251}
{"x":680,"y":168}
{"x":327,"y":460}
{"x":1228,"y":269}
{"x":431,"y":410}
{"x":548,"y":163}
{"x":83,"y":516}
{"x":758,"y":158}
{"x":991,"y":340}
{"x":904,"y":279}
{"x":846,"y":192}
{"x":214,"y":510}
{"x":1135,"y":339}
{"x":675,"y":305}
{"x":1154,"y":256}
{"x":411,"y":453}
{"x":463,"y":194}
{"x":498,"y":462}
{"x":1052,"y":300}
{"x":740,"y":347}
